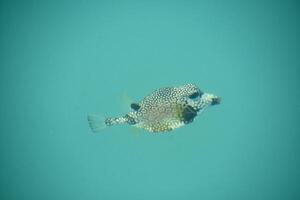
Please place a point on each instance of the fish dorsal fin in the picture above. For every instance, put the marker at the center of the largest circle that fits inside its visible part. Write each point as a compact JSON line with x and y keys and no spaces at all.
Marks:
{"x":126,"y":100}
{"x":135,"y":106}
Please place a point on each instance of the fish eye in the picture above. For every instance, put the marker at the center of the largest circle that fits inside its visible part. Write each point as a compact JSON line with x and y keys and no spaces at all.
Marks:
{"x":195,"y":95}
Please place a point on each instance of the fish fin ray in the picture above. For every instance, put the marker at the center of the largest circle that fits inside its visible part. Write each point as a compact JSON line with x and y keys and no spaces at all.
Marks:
{"x":96,"y":122}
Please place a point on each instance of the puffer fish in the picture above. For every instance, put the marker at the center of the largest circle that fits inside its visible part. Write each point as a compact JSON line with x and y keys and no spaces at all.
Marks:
{"x":163,"y":110}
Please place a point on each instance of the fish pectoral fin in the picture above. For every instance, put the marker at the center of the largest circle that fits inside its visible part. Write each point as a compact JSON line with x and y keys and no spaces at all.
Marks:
{"x":135,"y":106}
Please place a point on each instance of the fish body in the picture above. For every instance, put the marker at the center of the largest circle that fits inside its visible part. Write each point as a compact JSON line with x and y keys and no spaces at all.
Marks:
{"x":164,"y":109}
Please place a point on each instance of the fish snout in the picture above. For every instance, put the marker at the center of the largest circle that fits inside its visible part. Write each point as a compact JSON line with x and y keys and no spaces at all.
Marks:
{"x":215,"y":100}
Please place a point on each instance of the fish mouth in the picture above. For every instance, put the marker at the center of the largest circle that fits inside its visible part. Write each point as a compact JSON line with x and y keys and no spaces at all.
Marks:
{"x":216,"y":101}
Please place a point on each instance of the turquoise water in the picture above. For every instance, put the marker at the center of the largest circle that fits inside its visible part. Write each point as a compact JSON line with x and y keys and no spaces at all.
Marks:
{"x":61,"y":60}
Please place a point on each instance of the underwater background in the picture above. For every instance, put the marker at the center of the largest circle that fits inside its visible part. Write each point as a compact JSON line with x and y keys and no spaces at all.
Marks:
{"x":62,"y":60}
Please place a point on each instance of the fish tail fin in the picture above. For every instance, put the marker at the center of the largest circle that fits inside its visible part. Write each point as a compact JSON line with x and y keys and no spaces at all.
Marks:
{"x":97,"y":123}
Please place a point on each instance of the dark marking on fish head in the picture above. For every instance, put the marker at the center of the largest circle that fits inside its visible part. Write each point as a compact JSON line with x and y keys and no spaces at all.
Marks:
{"x":188,"y":114}
{"x":195,"y":95}
{"x":193,"y":99}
